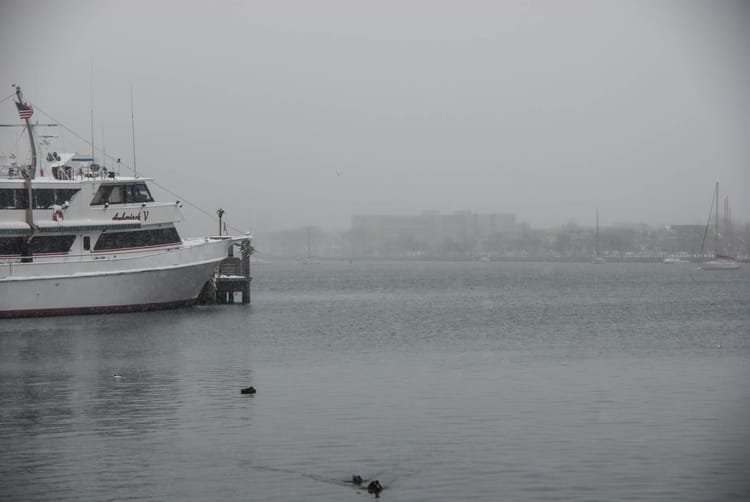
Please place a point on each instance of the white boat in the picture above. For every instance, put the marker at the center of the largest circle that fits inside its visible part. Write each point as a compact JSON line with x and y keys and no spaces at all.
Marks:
{"x":92,"y":241}
{"x":672,"y":260}
{"x":719,"y":262}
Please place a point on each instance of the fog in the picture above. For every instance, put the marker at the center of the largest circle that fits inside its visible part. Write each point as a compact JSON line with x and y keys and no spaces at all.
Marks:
{"x":289,"y":114}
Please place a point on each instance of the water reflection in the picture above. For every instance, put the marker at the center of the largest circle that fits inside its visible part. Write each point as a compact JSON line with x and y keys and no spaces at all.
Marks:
{"x":65,"y":419}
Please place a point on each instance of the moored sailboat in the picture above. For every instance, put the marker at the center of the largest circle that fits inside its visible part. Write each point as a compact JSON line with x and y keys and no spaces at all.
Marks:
{"x":719,"y":261}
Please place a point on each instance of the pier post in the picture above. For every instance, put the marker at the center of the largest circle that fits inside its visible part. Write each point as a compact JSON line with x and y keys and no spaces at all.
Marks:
{"x":246,"y":250}
{"x":234,"y":275}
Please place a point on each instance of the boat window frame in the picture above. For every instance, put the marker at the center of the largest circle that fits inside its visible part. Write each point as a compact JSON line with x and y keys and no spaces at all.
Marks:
{"x":45,"y":198}
{"x":39,"y":245}
{"x":12,"y":245}
{"x":135,"y":239}
{"x":51,"y":244}
{"x":129,"y":193}
{"x":13,"y":198}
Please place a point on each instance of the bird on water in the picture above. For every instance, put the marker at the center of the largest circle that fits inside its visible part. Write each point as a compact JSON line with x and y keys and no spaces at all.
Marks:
{"x":375,"y":488}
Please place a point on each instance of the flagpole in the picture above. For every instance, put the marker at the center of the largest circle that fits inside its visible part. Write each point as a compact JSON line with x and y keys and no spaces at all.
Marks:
{"x":26,"y":117}
{"x":25,"y":111}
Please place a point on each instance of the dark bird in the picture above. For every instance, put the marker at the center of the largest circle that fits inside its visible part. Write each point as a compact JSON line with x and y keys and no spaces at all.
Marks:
{"x":248,"y":390}
{"x":375,"y":488}
{"x":357,"y":479}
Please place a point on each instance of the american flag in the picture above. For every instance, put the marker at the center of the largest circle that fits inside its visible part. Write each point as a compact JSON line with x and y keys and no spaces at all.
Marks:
{"x":25,"y":111}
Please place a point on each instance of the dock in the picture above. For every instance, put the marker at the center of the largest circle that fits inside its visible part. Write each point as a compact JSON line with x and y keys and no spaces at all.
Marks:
{"x":232,"y":276}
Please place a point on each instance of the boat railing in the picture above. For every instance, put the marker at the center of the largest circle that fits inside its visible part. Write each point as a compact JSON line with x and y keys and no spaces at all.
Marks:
{"x":115,"y":255}
{"x":10,"y":172}
{"x":86,"y":172}
{"x":63,"y":172}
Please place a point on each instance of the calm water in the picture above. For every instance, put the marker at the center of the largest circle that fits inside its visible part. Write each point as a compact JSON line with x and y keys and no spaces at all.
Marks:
{"x":445,"y":381}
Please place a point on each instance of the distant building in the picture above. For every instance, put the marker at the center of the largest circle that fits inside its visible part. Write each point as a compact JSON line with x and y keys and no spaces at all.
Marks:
{"x":429,"y":234}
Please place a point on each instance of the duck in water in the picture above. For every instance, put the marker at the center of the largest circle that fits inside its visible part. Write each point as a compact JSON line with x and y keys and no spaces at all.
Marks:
{"x":248,"y":390}
{"x":357,"y":479}
{"x":375,"y":488}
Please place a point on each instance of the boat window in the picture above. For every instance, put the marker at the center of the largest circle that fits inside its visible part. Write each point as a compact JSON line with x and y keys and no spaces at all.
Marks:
{"x":116,"y":195}
{"x":87,"y":243}
{"x":62,"y":172}
{"x":137,"y":239}
{"x":139,"y":193}
{"x":122,"y":194}
{"x":52,"y":244}
{"x":45,"y":198}
{"x":102,"y":195}
{"x":63,"y":195}
{"x":11,"y":245}
{"x":13,"y":198}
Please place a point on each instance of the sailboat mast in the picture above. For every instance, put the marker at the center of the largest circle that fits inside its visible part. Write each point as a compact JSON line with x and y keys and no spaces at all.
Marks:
{"x":716,"y":220}
{"x":597,"y":232}
{"x":727,"y":222}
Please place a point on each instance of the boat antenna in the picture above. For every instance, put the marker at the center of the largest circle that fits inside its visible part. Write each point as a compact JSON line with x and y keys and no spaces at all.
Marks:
{"x":132,"y":129}
{"x":91,"y":98}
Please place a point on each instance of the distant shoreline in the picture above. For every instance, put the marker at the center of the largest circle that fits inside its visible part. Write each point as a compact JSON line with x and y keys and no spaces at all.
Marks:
{"x":609,"y":259}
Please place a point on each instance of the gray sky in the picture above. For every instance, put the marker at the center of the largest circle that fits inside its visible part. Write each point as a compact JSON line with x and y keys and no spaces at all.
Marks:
{"x":306,"y":112}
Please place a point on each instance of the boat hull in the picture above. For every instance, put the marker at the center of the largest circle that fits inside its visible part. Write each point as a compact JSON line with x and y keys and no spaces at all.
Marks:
{"x":720,"y":265}
{"x":142,"y":283}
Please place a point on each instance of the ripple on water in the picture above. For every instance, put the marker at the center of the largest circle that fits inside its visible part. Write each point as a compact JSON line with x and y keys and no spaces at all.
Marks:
{"x":445,"y":381}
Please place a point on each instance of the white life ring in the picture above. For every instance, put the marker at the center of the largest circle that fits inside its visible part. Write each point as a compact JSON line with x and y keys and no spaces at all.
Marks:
{"x":58,"y":215}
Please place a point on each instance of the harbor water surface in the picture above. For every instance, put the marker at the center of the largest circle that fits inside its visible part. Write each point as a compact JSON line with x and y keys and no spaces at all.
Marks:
{"x":444,"y":380}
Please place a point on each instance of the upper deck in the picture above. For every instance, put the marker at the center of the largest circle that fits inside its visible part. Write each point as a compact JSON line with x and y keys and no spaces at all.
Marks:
{"x":64,"y":194}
